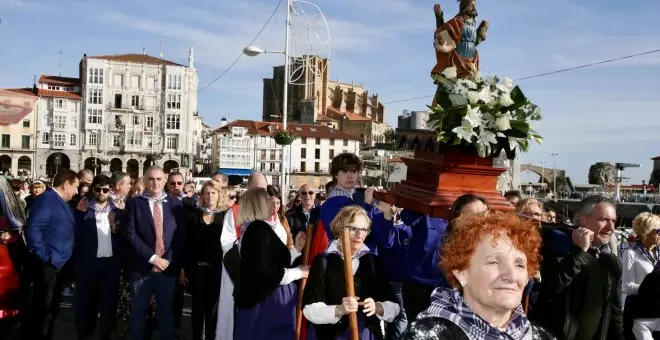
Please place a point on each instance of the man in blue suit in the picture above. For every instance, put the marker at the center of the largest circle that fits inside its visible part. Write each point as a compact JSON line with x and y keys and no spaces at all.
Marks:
{"x":155,"y":232}
{"x":97,"y":257}
{"x":49,"y":239}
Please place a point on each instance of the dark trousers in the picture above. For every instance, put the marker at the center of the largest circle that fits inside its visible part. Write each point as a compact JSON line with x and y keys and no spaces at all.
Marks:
{"x":97,"y":289}
{"x":141,"y":291}
{"x":177,"y":304}
{"x":205,"y":284}
{"x":41,"y":287}
{"x":416,"y":299}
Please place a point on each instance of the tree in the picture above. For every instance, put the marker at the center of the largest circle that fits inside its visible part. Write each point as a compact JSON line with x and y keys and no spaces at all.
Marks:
{"x":389,"y":137}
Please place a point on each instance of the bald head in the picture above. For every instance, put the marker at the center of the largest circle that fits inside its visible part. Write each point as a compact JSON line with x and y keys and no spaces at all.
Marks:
{"x":307,"y":195}
{"x":257,"y":180}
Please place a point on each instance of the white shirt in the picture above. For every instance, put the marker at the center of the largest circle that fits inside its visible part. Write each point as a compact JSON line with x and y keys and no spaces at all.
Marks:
{"x":319,"y":313}
{"x":104,"y":248}
{"x":635,"y":268}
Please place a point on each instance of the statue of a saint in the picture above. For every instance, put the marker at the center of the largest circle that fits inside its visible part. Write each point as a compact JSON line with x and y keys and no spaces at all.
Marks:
{"x":456,"y":40}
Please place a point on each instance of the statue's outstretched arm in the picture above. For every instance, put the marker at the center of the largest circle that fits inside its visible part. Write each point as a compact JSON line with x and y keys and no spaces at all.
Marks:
{"x":439,"y":17}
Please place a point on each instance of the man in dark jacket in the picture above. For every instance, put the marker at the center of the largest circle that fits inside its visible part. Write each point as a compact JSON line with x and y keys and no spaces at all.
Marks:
{"x":580,"y":295}
{"x":298,"y":217}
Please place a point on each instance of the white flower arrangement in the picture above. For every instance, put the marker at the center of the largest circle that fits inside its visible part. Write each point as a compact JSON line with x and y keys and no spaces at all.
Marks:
{"x":489,"y":114}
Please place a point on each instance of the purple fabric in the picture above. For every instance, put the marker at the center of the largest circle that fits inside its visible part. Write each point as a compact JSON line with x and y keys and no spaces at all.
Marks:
{"x":363,"y":332}
{"x":273,"y":319}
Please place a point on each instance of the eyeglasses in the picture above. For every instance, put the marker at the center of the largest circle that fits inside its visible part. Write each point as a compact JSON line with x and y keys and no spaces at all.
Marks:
{"x":307,"y":193}
{"x":98,"y":190}
{"x":232,"y":197}
{"x":357,"y":231}
{"x":176,"y":183}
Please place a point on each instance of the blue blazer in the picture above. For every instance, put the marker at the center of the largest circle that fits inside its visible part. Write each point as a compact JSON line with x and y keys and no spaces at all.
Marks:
{"x":86,"y":238}
{"x":49,"y":230}
{"x":141,"y":234}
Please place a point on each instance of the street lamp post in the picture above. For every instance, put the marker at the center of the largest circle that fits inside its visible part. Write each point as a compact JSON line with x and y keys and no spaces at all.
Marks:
{"x":252,"y":51}
{"x":554,"y":173}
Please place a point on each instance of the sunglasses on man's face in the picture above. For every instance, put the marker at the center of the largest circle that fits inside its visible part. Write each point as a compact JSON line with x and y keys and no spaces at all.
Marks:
{"x":232,"y":197}
{"x":176,"y":183}
{"x":99,"y":190}
{"x":307,"y":193}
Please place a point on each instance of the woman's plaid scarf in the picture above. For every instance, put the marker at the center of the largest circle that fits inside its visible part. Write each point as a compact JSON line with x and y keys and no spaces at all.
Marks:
{"x":449,"y":304}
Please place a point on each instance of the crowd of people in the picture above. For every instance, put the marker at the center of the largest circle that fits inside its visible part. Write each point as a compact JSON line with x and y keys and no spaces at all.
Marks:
{"x":259,"y":269}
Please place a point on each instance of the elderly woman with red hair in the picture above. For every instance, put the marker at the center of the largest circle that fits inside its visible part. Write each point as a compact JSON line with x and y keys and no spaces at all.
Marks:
{"x":487,"y":259}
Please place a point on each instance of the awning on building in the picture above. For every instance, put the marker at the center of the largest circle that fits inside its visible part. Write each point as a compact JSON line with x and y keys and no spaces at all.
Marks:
{"x":234,"y":171}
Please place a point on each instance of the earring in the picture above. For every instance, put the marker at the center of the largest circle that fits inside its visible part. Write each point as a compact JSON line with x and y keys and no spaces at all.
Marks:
{"x":463,"y":284}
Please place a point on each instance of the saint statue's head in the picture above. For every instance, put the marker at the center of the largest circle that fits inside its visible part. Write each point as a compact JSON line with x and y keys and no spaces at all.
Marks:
{"x":468,"y":8}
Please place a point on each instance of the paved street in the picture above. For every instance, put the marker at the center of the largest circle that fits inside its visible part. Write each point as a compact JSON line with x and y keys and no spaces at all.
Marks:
{"x":65,"y":328}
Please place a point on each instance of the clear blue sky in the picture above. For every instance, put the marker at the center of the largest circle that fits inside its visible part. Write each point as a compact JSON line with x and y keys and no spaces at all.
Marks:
{"x":606,"y":113}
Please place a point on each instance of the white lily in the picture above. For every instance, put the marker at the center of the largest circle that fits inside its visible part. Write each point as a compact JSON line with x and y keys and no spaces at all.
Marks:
{"x":473,"y":97}
{"x":503,"y":123}
{"x":457,"y":99}
{"x":473,"y":116}
{"x":484,"y":139}
{"x":465,"y":131}
{"x":507,"y":82}
{"x":485,"y":95}
{"x":487,"y":120}
{"x":506,"y":100}
{"x":450,"y":72}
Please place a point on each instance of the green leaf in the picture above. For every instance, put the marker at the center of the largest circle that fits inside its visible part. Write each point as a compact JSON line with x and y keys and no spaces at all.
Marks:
{"x":518,"y":98}
{"x":523,"y":144}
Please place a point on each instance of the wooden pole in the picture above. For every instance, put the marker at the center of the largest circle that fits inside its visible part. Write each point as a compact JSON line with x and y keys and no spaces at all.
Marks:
{"x":348,"y":274}
{"x":303,"y":282}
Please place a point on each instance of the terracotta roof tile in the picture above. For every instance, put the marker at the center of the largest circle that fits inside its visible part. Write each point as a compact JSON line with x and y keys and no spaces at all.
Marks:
{"x":349,"y":115}
{"x":12,"y":113}
{"x":56,"y":80}
{"x":324,"y":118}
{"x":136,"y":58}
{"x":60,"y":94}
{"x":300,"y":130}
{"x":24,"y":91}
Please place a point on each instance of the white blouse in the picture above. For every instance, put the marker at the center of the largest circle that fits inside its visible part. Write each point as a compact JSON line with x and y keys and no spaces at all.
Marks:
{"x":319,"y":313}
{"x":635,"y":268}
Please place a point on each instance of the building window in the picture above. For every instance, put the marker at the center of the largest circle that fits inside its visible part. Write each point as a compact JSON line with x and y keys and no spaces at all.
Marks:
{"x":171,"y":142}
{"x":150,"y":122}
{"x":45,"y":138}
{"x":26,"y":123}
{"x":119,"y":80}
{"x":272,"y":167}
{"x":173,"y":101}
{"x":332,"y":142}
{"x":318,"y":141}
{"x":272,"y":155}
{"x":135,"y":101}
{"x":135,"y":138}
{"x":317,"y":167}
{"x":332,"y":153}
{"x":317,"y":154}
{"x":94,"y":116}
{"x":151,"y":82}
{"x":95,"y":76}
{"x":174,"y":82}
{"x":60,"y":122}
{"x":74,"y":123}
{"x":263,"y":166}
{"x":136,"y":120}
{"x":345,"y":142}
{"x":303,"y":153}
{"x":118,"y":123}
{"x":72,"y":140}
{"x":59,"y":140}
{"x":5,"y":141}
{"x":149,"y":141}
{"x":135,"y":82}
{"x":304,"y":140}
{"x":173,"y":121}
{"x":116,"y":141}
{"x":303,"y":167}
{"x":263,"y":154}
{"x":92,"y":138}
{"x":59,"y":103}
{"x":25,"y":142}
{"x":95,"y":96}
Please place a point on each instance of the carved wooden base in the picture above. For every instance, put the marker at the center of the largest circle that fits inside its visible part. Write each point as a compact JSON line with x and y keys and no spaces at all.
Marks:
{"x":434,"y":181}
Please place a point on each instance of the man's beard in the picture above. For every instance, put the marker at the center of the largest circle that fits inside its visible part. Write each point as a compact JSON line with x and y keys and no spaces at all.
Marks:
{"x":101,"y":199}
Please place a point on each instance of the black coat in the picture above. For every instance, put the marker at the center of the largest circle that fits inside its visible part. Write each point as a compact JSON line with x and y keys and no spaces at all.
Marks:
{"x":565,"y":271}
{"x":433,"y":328}
{"x":297,"y":220}
{"x":649,"y":291}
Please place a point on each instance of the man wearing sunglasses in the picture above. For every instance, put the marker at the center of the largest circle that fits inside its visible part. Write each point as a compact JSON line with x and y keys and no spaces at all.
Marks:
{"x":298,"y":216}
{"x":97,"y":260}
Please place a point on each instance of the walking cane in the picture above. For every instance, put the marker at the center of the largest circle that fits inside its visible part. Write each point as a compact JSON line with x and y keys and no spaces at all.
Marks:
{"x":348,"y":274}
{"x":303,"y":282}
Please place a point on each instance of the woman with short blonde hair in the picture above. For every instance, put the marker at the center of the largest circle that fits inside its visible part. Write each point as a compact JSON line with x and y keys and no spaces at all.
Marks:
{"x":638,"y":261}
